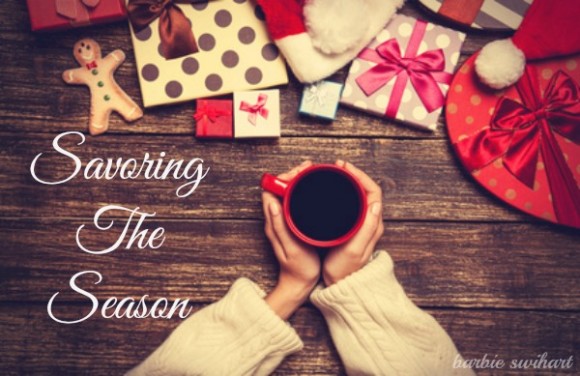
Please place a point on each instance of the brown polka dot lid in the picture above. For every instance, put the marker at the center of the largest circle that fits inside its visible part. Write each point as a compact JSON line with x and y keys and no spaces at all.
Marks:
{"x":522,"y":143}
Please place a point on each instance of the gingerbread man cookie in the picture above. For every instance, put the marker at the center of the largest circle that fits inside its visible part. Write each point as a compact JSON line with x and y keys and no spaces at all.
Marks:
{"x":97,"y":73}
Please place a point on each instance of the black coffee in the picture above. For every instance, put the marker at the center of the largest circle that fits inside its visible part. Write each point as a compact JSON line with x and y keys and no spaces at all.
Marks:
{"x":325,"y":205}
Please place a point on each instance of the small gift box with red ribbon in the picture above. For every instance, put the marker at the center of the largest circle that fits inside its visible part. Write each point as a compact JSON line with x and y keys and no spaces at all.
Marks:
{"x":405,"y":72}
{"x":50,"y":15}
{"x":523,"y":143}
{"x":214,"y":119}
{"x":257,"y":114}
{"x":189,"y":49}
{"x":321,"y":99}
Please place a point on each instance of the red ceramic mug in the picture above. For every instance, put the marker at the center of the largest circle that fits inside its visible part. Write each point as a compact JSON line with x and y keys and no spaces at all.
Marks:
{"x":324,"y":205}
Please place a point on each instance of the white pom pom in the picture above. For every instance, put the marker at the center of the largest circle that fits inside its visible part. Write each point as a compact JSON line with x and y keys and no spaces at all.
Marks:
{"x":500,"y":64}
{"x":336,"y":25}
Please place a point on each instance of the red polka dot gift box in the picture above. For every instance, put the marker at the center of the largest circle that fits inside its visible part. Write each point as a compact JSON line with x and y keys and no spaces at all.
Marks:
{"x":186,"y":51}
{"x":522,"y":143}
{"x":404,"y":73}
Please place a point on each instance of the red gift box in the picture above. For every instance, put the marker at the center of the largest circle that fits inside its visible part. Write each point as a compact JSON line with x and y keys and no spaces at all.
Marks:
{"x":50,"y":15}
{"x":523,"y":143}
{"x":214,"y":119}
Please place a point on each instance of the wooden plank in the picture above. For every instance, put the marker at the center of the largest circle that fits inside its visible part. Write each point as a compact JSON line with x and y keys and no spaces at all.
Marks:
{"x":34,"y":344}
{"x":34,"y":98}
{"x":440,"y":265}
{"x":420,"y":180}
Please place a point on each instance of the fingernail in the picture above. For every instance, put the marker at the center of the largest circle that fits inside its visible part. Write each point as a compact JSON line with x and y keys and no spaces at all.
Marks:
{"x":376,"y":208}
{"x":274,"y":209}
{"x":340,"y":162}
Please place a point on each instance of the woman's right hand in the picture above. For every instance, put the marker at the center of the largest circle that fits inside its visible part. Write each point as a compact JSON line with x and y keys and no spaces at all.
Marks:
{"x":349,"y":257}
{"x":299,"y":262}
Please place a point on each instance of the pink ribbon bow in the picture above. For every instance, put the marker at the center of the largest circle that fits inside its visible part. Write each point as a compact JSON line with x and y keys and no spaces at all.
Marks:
{"x":78,"y":11}
{"x":424,"y":71}
{"x":256,"y":109}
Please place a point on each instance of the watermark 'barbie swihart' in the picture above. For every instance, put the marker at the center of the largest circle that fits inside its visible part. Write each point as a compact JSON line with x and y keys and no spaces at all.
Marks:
{"x":540,"y":361}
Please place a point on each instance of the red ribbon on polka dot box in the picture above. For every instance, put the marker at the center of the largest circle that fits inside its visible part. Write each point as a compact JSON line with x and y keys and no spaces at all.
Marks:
{"x":523,"y":143}
{"x":404,"y":72}
{"x":235,"y":53}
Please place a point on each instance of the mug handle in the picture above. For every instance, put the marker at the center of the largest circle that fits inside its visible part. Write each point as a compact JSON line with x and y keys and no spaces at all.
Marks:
{"x":272,"y":184}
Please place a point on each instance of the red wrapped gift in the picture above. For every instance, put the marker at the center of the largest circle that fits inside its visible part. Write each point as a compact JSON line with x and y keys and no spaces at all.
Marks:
{"x":523,"y":143}
{"x":214,"y":119}
{"x":50,"y":15}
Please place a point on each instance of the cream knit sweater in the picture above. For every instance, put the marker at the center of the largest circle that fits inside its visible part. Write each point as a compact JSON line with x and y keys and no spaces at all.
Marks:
{"x":376,"y":328}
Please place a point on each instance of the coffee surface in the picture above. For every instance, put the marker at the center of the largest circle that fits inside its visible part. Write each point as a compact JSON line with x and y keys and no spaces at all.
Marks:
{"x":324,"y":205}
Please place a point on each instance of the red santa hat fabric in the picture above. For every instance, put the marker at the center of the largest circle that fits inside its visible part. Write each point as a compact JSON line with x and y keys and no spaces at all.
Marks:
{"x":318,"y":37}
{"x":549,"y":29}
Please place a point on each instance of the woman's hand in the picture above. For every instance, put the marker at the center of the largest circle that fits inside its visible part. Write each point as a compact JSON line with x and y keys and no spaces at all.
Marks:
{"x":299,"y":263}
{"x":349,"y":257}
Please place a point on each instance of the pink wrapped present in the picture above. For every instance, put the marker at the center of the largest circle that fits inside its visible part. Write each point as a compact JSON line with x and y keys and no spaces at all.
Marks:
{"x":405,"y":72}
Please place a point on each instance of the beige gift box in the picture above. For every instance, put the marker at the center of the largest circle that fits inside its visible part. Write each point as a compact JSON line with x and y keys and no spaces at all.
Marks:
{"x":257,"y":114}
{"x":235,"y":53}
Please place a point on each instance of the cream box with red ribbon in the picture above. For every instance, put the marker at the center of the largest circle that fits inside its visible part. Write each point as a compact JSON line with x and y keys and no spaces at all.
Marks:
{"x":405,"y":72}
{"x":51,"y":15}
{"x":190,"y":49}
{"x":257,"y":114}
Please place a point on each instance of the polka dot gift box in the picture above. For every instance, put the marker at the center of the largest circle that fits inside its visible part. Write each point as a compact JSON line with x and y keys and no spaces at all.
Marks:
{"x":404,"y":72}
{"x":522,"y":143}
{"x":223,"y":47}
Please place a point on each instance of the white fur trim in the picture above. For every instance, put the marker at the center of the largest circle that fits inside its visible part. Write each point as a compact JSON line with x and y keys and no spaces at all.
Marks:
{"x":500,"y":64}
{"x":310,"y":64}
{"x":335,"y":25}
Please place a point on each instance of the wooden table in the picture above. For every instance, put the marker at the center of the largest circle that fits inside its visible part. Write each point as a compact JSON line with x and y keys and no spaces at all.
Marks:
{"x":501,"y":282}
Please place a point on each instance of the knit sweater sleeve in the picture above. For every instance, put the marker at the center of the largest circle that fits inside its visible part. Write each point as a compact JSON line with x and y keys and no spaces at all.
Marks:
{"x":238,"y":335}
{"x":377,"y":330}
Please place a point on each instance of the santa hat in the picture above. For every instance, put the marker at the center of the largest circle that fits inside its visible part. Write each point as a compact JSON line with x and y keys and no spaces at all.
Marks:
{"x":318,"y":37}
{"x":549,"y":29}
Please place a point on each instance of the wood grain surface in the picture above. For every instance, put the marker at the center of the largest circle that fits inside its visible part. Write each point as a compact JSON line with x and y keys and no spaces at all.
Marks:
{"x":501,"y":282}
{"x":34,"y":344}
{"x":440,"y":265}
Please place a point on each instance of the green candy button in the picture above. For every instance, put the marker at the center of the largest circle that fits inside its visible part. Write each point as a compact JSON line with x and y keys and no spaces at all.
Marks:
{"x":107,"y":97}
{"x":101,"y":83}
{"x":95,"y":72}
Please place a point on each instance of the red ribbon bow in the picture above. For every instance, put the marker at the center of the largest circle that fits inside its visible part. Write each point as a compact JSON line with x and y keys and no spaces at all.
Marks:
{"x":78,"y":11}
{"x":175,"y":32}
{"x":91,"y":65}
{"x":210,"y":113}
{"x":518,"y":132}
{"x":424,"y":71}
{"x":256,"y":109}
